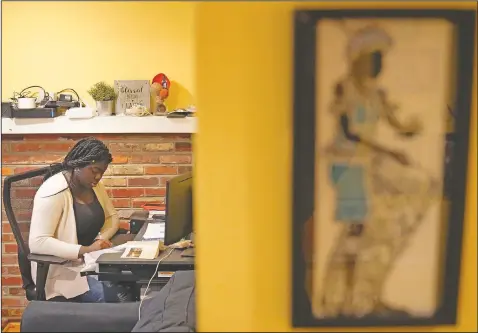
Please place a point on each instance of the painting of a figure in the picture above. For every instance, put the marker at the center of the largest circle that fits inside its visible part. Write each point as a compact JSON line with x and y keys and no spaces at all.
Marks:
{"x":381,"y":130}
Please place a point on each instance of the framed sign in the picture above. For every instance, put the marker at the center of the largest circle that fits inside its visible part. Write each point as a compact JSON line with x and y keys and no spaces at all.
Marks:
{"x":382,"y":104}
{"x":131,"y":92}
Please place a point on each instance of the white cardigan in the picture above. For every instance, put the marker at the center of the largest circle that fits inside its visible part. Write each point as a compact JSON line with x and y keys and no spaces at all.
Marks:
{"x":53,"y":232}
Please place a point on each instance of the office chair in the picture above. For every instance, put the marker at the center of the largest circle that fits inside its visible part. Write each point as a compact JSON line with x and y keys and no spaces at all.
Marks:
{"x":33,"y":291}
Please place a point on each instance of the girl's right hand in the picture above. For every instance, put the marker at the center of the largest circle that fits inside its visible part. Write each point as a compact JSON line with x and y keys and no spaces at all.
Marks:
{"x":98,"y":245}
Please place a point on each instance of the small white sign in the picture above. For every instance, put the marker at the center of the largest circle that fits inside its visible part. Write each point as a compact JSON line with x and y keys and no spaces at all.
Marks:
{"x":130,"y":93}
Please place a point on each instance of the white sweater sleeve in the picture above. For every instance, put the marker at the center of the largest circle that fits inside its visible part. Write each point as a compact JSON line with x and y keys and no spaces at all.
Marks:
{"x":46,"y":216}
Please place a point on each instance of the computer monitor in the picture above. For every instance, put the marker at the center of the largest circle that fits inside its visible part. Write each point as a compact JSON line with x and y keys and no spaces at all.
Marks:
{"x":179,"y":208}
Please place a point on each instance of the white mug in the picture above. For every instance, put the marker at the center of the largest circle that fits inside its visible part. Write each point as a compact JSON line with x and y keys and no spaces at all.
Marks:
{"x":26,"y":103}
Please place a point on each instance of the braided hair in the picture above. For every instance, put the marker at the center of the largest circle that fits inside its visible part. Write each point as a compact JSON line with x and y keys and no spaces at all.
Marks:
{"x":85,"y":152}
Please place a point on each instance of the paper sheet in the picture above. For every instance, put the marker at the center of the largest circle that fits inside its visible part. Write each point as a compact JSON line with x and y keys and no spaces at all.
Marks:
{"x":90,"y":258}
{"x":154,"y":231}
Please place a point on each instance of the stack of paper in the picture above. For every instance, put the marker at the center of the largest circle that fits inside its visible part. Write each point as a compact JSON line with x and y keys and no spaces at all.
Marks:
{"x":154,"y":231}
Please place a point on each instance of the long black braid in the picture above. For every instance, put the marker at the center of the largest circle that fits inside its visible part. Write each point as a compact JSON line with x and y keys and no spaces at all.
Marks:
{"x":86,"y":151}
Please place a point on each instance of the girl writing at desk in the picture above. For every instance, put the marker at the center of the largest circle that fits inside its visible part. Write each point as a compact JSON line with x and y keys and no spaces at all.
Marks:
{"x":73,"y":215}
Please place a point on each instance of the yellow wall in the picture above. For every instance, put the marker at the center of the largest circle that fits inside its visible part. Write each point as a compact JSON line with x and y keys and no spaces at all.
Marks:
{"x":75,"y":44}
{"x":243,"y":162}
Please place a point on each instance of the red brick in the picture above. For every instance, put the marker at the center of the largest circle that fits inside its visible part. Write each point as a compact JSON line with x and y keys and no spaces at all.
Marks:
{"x":26,"y":169}
{"x":123,"y":147}
{"x":23,"y":216}
{"x":14,"y":301}
{"x":143,"y":181}
{"x":8,"y":238}
{"x":4,"y":313}
{"x":184,"y":169}
{"x":15,"y":313}
{"x":16,"y":291}
{"x":24,"y":227}
{"x":138,"y":203}
{"x":176,"y":159}
{"x":36,"y":181}
{"x":121,"y":203}
{"x":120,"y":159}
{"x":24,"y":192}
{"x":11,"y":281}
{"x":127,"y":192}
{"x":46,"y":159}
{"x":12,"y":137}
{"x":25,"y":147}
{"x":14,"y":159}
{"x":183,"y":146}
{"x":145,"y":158}
{"x":5,"y":147}
{"x":7,"y":171}
{"x":9,"y":259}
{"x":22,"y":203}
{"x":151,"y":192}
{"x":10,"y":248}
{"x":24,"y":182}
{"x":31,"y":159}
{"x":161,"y":170}
{"x":10,"y":270}
{"x":152,"y":147}
{"x":126,"y":170}
{"x":58,"y":146}
{"x":110,"y":182}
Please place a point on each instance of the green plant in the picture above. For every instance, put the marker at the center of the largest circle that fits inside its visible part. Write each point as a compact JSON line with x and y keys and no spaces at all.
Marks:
{"x":102,"y":91}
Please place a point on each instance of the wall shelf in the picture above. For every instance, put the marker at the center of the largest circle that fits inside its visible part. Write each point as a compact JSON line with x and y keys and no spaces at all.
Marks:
{"x":97,"y":125}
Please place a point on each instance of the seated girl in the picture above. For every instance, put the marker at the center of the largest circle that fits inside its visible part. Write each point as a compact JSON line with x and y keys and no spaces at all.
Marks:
{"x":73,"y":215}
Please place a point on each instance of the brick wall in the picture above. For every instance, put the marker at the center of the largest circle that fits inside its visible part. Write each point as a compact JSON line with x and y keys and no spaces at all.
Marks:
{"x":141,"y":165}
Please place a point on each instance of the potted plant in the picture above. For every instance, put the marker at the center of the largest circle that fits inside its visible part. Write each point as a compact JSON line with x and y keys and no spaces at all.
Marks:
{"x":24,"y":100}
{"x":104,"y":95}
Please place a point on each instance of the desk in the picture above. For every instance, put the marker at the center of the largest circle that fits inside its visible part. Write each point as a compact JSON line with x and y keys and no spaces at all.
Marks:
{"x":111,"y":267}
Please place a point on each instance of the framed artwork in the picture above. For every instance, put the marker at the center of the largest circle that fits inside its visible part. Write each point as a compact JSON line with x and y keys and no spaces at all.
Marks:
{"x":382,"y":104}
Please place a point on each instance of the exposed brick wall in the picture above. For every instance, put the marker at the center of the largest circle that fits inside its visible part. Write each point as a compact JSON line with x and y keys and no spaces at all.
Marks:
{"x":141,"y":165}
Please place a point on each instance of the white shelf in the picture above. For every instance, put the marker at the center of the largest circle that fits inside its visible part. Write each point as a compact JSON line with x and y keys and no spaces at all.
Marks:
{"x":96,"y":125}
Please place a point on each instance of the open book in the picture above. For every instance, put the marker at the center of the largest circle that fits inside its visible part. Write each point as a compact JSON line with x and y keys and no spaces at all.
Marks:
{"x":143,"y":249}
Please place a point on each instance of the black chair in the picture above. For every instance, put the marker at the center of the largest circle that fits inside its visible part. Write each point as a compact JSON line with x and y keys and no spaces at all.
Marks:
{"x":33,"y":291}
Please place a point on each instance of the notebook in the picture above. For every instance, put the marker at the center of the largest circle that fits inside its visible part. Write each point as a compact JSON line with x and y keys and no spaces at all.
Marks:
{"x":143,"y":249}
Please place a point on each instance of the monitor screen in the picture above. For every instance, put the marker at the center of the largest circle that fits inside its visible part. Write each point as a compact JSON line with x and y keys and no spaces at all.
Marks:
{"x":179,"y":211}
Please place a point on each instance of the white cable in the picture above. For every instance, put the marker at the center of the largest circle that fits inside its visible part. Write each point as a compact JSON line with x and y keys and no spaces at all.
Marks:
{"x":150,"y":280}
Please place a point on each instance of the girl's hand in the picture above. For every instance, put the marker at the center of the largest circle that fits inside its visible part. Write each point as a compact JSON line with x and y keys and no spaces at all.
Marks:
{"x":104,"y":244}
{"x":99,"y":244}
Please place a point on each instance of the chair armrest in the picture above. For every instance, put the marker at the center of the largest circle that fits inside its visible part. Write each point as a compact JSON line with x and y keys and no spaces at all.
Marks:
{"x":42,"y":316}
{"x":46,"y":259}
